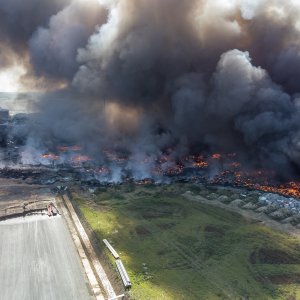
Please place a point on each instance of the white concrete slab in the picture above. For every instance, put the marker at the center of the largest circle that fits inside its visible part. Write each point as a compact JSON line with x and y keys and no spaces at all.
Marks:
{"x":38,"y":261}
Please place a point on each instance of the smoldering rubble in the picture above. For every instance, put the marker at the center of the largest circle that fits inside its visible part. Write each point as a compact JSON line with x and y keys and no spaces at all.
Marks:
{"x":143,"y":77}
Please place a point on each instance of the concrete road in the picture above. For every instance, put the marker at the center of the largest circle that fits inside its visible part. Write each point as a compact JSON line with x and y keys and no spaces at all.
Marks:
{"x":38,"y":261}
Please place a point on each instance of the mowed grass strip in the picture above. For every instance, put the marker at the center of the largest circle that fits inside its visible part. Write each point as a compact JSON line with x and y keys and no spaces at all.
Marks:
{"x":176,"y":249}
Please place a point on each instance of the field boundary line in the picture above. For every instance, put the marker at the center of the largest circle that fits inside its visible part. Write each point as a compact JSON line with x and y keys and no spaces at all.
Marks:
{"x":90,"y":250}
{"x":85,"y":262}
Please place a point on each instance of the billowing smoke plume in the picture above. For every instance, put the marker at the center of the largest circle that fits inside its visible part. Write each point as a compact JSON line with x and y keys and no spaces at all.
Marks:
{"x":53,"y":50}
{"x":145,"y":76}
{"x":18,"y":21}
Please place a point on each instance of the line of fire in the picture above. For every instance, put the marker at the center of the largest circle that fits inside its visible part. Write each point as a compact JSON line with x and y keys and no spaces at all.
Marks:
{"x":66,"y":163}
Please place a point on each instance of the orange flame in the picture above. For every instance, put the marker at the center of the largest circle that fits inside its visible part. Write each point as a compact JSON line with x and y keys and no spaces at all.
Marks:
{"x":50,"y":156}
{"x":81,"y":158}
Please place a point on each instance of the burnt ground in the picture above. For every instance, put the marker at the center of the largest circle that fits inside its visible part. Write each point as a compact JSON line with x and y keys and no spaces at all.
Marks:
{"x":18,"y":199}
{"x":273,"y":256}
{"x":285,"y":279}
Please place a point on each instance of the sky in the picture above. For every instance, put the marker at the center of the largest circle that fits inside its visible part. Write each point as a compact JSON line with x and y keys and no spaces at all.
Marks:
{"x":10,"y":80}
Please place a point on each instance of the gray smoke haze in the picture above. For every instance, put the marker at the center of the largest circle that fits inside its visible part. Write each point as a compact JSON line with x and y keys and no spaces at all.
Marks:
{"x":19,"y":20}
{"x":144,"y":76}
{"x":54,"y":49}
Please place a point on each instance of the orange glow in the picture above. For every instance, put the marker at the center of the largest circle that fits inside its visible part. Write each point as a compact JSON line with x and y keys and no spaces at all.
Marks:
{"x":235,"y":165}
{"x":200,"y":164}
{"x":75,"y":148}
{"x":66,"y":148}
{"x":63,"y":148}
{"x":50,"y":156}
{"x":81,"y":158}
{"x":125,"y":118}
{"x":231,"y":172}
{"x":216,"y":156}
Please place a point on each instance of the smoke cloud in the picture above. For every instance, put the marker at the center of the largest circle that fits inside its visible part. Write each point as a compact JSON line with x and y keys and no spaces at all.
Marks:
{"x":54,"y":49}
{"x":18,"y":21}
{"x":145,"y":76}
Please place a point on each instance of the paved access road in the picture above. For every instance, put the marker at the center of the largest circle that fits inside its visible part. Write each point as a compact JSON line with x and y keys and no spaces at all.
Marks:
{"x":38,"y":261}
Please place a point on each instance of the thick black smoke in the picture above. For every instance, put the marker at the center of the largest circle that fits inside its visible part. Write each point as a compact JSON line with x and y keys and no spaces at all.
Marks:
{"x":145,"y":76}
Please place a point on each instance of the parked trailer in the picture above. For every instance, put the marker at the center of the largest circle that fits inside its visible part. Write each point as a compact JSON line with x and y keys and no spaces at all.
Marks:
{"x":124,"y":276}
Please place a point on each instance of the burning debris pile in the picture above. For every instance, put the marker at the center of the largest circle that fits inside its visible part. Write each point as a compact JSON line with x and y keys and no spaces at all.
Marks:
{"x":69,"y":163}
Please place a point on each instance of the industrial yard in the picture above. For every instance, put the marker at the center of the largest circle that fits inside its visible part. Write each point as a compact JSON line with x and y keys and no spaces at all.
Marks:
{"x":179,"y":241}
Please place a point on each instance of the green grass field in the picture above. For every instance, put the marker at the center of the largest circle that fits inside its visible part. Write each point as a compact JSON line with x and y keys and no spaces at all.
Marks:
{"x":176,"y":249}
